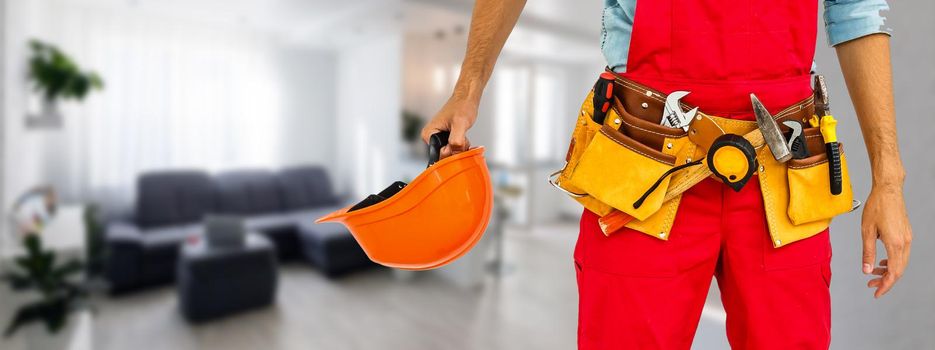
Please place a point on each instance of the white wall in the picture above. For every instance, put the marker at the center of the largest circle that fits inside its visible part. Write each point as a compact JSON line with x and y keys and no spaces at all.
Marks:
{"x":430,"y":70}
{"x":22,"y":166}
{"x":305,"y":80}
{"x":368,"y":114}
{"x":903,"y":318}
{"x":3,"y":59}
{"x":309,"y":80}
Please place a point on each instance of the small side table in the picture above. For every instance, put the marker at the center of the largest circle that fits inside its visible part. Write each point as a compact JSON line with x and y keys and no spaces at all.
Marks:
{"x":214,"y":282}
{"x":63,"y":234}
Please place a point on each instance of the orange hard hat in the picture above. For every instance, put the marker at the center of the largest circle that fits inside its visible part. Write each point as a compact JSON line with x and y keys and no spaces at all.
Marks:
{"x":430,"y":222}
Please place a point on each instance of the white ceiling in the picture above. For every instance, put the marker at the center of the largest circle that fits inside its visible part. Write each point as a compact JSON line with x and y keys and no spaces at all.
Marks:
{"x":582,"y":15}
{"x":546,"y":26}
{"x":548,"y":30}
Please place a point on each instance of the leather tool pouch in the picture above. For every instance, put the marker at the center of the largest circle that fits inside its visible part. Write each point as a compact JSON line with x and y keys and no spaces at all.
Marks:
{"x":627,"y":147}
{"x":616,"y":169}
{"x":585,"y":129}
{"x":610,"y":165}
{"x":810,"y":197}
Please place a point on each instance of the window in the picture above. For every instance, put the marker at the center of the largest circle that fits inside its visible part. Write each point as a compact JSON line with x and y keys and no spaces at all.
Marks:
{"x":529,"y":109}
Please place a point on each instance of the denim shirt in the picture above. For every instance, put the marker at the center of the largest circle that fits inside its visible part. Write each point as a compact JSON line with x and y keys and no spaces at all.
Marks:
{"x":844,"y":20}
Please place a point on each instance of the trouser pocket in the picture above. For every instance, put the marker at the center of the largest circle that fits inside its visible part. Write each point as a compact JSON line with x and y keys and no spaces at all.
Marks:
{"x":810,"y":197}
{"x":617,"y":170}
{"x":626,"y":253}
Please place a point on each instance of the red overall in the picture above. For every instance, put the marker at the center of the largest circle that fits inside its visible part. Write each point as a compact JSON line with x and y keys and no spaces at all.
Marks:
{"x":639,"y":292}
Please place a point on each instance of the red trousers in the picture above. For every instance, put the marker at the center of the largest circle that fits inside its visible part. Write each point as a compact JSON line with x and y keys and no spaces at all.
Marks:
{"x":639,"y":292}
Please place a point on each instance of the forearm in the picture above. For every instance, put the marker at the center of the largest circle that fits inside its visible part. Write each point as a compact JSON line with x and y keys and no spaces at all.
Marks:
{"x":491,"y":24}
{"x":865,"y":63}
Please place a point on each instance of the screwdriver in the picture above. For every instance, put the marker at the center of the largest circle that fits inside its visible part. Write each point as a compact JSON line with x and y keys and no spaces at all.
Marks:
{"x":833,"y":148}
{"x":828,"y":127}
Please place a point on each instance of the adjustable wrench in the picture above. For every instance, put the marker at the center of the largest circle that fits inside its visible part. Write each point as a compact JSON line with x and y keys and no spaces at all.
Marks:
{"x":796,"y":140}
{"x":673,"y":116}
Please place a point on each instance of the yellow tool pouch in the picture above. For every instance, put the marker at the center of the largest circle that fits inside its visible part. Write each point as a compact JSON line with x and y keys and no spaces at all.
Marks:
{"x":616,"y":169}
{"x":612,"y":165}
{"x":809,"y":196}
{"x":797,"y":196}
{"x":585,"y":129}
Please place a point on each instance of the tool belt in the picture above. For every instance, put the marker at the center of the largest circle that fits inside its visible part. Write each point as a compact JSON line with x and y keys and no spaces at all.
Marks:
{"x":622,"y":162}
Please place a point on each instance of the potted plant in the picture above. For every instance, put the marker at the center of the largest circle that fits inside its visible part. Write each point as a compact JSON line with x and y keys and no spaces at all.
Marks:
{"x":52,"y":290}
{"x":55,"y":76}
{"x":411,"y":128}
{"x":94,"y":238}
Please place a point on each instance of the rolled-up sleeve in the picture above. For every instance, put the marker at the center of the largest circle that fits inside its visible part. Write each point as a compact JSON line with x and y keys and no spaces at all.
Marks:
{"x":847,"y":20}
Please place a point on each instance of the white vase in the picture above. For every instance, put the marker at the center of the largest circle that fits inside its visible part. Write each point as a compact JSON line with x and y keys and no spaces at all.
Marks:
{"x":49,"y":116}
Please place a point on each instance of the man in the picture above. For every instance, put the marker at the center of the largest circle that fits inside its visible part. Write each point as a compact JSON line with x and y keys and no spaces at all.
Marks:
{"x":640,"y":292}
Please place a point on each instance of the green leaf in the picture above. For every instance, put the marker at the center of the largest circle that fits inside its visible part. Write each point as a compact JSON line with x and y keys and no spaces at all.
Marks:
{"x":32,"y":243}
{"x":55,"y":75}
{"x":23,"y":316}
{"x":69,"y":268}
{"x":18,"y":282}
{"x":53,"y":312}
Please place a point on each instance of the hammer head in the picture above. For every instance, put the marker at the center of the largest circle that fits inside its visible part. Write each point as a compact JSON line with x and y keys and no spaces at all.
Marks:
{"x":772,"y":135}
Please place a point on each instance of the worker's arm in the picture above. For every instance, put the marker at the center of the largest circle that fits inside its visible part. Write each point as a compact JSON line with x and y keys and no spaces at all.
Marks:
{"x":865,"y":63}
{"x":491,"y":24}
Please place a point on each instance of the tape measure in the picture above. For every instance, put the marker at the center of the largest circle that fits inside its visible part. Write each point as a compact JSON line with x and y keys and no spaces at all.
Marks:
{"x":733,"y":160}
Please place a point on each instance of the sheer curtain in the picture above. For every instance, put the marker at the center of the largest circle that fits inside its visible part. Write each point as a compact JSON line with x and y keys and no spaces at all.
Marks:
{"x":178,"y":94}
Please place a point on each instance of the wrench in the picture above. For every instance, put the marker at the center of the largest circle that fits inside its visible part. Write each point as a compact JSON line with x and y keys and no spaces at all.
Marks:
{"x":673,"y":116}
{"x":796,"y":141}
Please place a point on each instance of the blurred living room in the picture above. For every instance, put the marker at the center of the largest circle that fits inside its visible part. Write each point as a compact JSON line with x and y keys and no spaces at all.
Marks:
{"x":189,"y":112}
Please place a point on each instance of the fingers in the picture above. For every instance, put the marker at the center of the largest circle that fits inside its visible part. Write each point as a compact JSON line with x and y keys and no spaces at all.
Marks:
{"x":884,"y":218}
{"x":870,"y":251}
{"x":449,"y":150}
{"x":457,"y":140}
{"x":896,"y":263}
{"x":879,"y":271}
{"x":456,"y":118}
{"x":429,"y":130}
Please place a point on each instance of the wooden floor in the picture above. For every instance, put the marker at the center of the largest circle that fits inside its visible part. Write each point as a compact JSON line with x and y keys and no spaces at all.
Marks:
{"x":532,"y":307}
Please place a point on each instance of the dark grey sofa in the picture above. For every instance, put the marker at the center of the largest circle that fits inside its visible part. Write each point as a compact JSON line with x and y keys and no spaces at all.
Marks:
{"x":170,"y":207}
{"x":256,"y":195}
{"x":326,"y":246}
{"x":142,"y":250}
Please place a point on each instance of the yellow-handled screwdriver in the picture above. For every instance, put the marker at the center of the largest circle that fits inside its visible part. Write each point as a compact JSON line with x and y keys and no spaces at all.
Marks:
{"x":833,"y":148}
{"x":828,"y":127}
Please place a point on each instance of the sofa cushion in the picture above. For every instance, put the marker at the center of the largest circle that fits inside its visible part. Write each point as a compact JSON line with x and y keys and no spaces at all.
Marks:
{"x":268,"y":222}
{"x":173,"y":197}
{"x":331,"y":248}
{"x":151,"y":237}
{"x":308,"y":216}
{"x":247,"y":192}
{"x":305,"y":187}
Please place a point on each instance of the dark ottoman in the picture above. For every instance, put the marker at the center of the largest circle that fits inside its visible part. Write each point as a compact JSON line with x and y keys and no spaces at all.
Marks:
{"x":215,"y":282}
{"x":332,"y":249}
